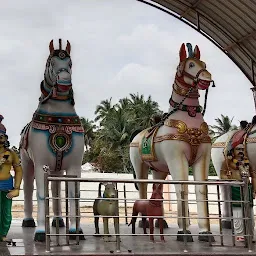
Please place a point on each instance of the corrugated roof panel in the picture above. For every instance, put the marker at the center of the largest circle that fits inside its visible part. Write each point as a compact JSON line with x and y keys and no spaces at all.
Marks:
{"x":230,"y":23}
{"x":218,"y":17}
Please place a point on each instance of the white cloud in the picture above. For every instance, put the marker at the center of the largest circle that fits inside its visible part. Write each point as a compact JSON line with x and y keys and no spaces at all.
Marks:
{"x":118,"y":47}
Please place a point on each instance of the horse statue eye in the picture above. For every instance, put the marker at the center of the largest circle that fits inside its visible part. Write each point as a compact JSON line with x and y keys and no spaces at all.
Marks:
{"x":191,"y":64}
{"x":52,"y":63}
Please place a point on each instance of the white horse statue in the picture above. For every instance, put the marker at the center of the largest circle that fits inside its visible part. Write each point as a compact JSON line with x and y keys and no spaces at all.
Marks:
{"x":229,"y":152}
{"x":180,"y":140}
{"x":54,"y":137}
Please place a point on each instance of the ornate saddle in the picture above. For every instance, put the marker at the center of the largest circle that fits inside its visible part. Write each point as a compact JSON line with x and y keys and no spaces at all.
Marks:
{"x":239,"y":136}
{"x":146,"y":145}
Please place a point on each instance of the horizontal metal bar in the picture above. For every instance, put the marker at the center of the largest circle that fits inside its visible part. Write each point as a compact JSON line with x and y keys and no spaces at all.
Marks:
{"x":212,"y":182}
{"x":138,"y":234}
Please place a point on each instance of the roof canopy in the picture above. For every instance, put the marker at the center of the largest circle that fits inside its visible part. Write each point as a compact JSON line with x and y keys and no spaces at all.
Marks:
{"x":229,"y":24}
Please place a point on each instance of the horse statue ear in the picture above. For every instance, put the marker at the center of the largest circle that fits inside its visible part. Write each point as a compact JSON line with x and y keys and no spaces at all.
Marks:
{"x":51,"y":47}
{"x":183,"y":54}
{"x":197,"y":52}
{"x":154,"y":186}
{"x":160,"y":186}
{"x":68,"y":47}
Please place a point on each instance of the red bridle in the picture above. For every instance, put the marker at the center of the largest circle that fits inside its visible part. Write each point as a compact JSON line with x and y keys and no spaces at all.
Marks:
{"x":195,"y":78}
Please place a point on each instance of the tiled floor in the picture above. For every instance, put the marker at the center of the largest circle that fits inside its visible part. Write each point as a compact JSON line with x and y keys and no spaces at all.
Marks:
{"x":130,"y":245}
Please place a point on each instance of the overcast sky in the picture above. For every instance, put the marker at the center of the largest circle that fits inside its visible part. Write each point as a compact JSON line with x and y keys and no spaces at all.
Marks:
{"x":118,"y":47}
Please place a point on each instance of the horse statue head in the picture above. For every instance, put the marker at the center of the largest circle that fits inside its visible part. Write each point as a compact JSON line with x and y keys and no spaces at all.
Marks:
{"x":57,"y":82}
{"x":191,"y":76}
{"x":191,"y":71}
{"x":156,"y":198}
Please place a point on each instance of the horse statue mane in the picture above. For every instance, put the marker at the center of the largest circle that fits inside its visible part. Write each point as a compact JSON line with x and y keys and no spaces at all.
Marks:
{"x":55,"y":86}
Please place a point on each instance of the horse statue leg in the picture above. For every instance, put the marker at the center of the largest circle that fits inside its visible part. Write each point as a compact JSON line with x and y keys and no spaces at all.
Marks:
{"x":226,"y":209}
{"x":160,"y":176}
{"x":40,"y":230}
{"x":56,"y":192}
{"x":200,"y":172}
{"x":217,"y":160}
{"x":28,"y":187}
{"x":178,"y":167}
{"x":141,"y":170}
{"x":106,"y":229}
{"x":74,"y":171}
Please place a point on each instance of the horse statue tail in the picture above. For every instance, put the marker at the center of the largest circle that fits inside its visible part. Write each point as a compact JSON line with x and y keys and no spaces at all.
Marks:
{"x":135,"y":133}
{"x":99,"y":189}
{"x":134,"y":176}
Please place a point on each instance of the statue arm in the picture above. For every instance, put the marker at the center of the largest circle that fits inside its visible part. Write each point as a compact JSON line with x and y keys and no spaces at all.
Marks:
{"x":17,"y":176}
{"x":224,"y":171}
{"x":17,"y":169}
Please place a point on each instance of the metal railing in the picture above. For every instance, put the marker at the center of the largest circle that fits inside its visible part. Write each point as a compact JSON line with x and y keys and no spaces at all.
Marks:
{"x":66,"y":179}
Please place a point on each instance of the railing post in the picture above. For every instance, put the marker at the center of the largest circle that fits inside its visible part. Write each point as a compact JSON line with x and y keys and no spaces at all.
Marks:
{"x":247,"y":213}
{"x":220,"y":220}
{"x":125,"y":206}
{"x":231,"y":212}
{"x":57,"y":210}
{"x":184,"y":221}
{"x":46,"y":170}
{"x":77,"y":213}
{"x":117,"y":225}
{"x":208,"y":214}
{"x":67,"y":212}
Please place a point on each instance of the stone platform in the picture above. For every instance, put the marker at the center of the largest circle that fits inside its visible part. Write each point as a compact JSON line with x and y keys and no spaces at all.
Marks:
{"x":130,"y":245}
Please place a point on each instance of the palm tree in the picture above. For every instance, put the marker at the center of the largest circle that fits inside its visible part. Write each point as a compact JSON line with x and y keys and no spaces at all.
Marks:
{"x":103,"y":109}
{"x":144,"y":110}
{"x":224,"y":125}
{"x":88,"y":126}
{"x":117,"y":128}
{"x":124,"y":103}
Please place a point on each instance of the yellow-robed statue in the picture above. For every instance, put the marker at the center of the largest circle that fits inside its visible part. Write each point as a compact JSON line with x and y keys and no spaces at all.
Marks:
{"x":8,"y":189}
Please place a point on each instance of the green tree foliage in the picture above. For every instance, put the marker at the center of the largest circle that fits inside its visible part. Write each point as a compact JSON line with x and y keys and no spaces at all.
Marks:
{"x":107,"y":146}
{"x":224,"y":125}
{"x":89,"y":128}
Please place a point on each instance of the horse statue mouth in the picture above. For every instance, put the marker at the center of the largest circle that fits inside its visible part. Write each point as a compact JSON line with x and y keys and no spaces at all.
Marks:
{"x":64,"y":87}
{"x":203,"y":84}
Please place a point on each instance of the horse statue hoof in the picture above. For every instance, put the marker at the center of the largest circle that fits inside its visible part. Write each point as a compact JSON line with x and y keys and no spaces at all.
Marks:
{"x":39,"y":237}
{"x":226,"y":224}
{"x":164,"y":222}
{"x":28,"y":223}
{"x":181,"y":236}
{"x":61,"y":223}
{"x":71,"y":232}
{"x":206,"y":236}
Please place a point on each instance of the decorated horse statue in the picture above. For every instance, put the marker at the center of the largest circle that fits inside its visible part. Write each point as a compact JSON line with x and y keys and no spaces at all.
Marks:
{"x":54,"y":137}
{"x":180,"y":140}
{"x":232,"y":154}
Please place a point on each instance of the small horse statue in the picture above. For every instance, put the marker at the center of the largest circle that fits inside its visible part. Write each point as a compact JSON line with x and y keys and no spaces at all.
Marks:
{"x":54,"y":137}
{"x":180,"y":140}
{"x":230,"y":152}
{"x":150,"y":208}
{"x":106,"y":206}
